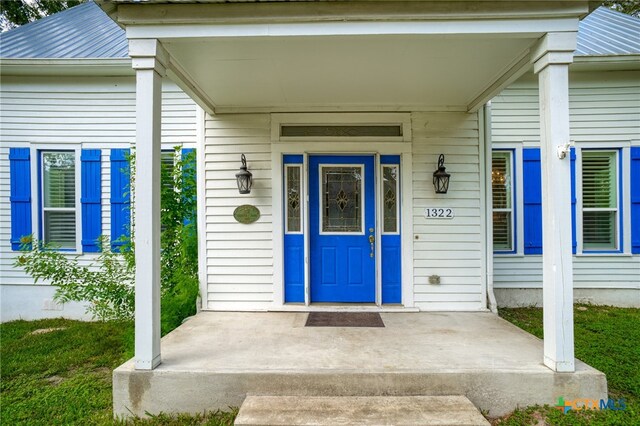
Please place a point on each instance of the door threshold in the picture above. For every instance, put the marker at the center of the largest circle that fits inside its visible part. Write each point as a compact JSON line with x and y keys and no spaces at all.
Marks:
{"x":343,"y":307}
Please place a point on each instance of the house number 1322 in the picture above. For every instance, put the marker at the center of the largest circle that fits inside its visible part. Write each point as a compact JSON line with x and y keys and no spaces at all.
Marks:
{"x":438,"y":213}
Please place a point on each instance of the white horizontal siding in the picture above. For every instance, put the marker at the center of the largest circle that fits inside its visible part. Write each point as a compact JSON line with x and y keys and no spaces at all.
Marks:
{"x":239,"y":257}
{"x":621,"y":272}
{"x":86,"y":110}
{"x":448,"y":248}
{"x":94,"y":112}
{"x":605,"y":108}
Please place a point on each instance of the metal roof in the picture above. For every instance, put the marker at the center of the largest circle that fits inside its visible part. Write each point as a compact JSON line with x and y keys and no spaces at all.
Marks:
{"x":83,"y":31}
{"x":607,"y":32}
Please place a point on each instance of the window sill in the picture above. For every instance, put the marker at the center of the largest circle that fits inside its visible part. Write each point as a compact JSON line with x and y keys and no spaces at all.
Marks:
{"x":605,"y":254}
{"x":507,"y":255}
{"x":66,"y":251}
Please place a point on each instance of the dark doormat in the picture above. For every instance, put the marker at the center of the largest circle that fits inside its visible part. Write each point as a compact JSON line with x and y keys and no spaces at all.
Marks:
{"x":344,"y":319}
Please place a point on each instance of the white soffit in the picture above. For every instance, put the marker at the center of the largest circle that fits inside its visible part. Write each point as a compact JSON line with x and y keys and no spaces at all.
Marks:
{"x":361,"y":71}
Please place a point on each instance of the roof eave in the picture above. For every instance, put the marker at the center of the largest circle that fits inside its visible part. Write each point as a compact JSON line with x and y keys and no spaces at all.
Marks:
{"x":66,"y":66}
{"x":619,"y":62}
{"x":613,"y":58}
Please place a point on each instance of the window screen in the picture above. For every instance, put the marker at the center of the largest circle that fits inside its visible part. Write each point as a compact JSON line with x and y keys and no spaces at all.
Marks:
{"x":599,"y":200}
{"x":59,"y":198}
{"x":167,"y":161}
{"x":502,"y":187}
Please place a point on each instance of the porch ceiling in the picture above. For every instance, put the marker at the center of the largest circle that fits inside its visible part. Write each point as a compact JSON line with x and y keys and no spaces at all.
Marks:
{"x":345,"y":55}
{"x":364,"y":72}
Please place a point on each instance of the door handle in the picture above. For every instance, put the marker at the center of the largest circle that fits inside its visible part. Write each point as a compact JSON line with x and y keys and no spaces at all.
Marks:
{"x":372,"y":240}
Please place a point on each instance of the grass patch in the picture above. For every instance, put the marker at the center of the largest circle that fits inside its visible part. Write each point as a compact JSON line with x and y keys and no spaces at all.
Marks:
{"x":58,"y":371}
{"x":606,"y":338}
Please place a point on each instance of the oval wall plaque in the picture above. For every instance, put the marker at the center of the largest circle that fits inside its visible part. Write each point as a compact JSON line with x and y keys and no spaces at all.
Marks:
{"x":246,"y":213}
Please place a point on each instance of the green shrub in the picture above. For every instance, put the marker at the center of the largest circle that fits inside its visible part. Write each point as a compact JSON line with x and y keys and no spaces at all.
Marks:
{"x":108,"y":282}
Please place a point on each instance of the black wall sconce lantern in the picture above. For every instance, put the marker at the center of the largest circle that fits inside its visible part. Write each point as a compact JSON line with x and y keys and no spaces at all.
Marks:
{"x":244,"y":177}
{"x":441,"y":177}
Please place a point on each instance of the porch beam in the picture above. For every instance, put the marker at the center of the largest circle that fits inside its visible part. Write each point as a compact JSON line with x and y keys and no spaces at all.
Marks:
{"x":551,"y":58}
{"x":514,"y":71}
{"x":181,"y":77}
{"x":143,"y":50}
{"x":517,"y":28}
{"x":148,"y":61}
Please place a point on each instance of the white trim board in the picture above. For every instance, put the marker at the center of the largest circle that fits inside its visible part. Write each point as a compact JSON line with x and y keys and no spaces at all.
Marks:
{"x":519,"y":28}
{"x":339,"y":148}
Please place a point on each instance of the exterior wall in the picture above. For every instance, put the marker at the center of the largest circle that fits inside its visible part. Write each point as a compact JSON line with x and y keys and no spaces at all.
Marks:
{"x":450,"y":248}
{"x":240,"y":258}
{"x":526,"y":297}
{"x":94,"y":112}
{"x":604,"y":110}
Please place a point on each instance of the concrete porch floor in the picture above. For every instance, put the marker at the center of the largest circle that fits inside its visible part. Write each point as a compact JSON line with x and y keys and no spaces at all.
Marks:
{"x":216,"y":358}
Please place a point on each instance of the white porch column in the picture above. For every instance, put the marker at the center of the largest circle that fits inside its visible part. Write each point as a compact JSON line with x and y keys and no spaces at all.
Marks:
{"x":551,"y":59}
{"x":148,"y":60}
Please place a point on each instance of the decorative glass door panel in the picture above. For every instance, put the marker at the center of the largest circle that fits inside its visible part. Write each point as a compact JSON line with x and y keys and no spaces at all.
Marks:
{"x":342,"y":228}
{"x":341,"y":198}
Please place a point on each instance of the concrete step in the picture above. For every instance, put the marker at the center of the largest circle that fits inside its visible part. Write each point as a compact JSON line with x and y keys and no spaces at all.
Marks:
{"x":359,"y":410}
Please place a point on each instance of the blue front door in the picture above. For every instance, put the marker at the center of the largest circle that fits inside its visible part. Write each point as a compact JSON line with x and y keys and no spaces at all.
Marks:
{"x":342,"y":228}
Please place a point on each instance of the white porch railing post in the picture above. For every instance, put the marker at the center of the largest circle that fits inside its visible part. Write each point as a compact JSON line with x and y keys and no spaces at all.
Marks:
{"x":148,"y":60}
{"x":551,"y":59}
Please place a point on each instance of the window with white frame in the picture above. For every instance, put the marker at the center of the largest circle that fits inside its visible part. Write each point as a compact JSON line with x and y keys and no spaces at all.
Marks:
{"x":59,"y":206}
{"x":600,"y":201}
{"x":502,"y":189}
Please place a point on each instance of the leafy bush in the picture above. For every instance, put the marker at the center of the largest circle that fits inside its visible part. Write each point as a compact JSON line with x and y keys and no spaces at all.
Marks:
{"x":179,"y":242}
{"x":107,"y":283}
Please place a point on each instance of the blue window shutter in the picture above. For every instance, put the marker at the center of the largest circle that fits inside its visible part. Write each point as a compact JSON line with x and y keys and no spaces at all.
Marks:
{"x":532,"y":195}
{"x":120,"y":199}
{"x":20,"y":195}
{"x":574,"y":240}
{"x":635,"y":200}
{"x":91,"y":198}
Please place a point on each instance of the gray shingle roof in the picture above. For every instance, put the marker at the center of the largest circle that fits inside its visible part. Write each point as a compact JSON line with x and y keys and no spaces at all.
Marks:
{"x":84,"y":31}
{"x":606,"y":32}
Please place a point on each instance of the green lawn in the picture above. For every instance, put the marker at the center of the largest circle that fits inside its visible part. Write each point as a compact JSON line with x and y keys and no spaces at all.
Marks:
{"x":607,"y":339}
{"x":59,"y":371}
{"x":63,"y":375}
